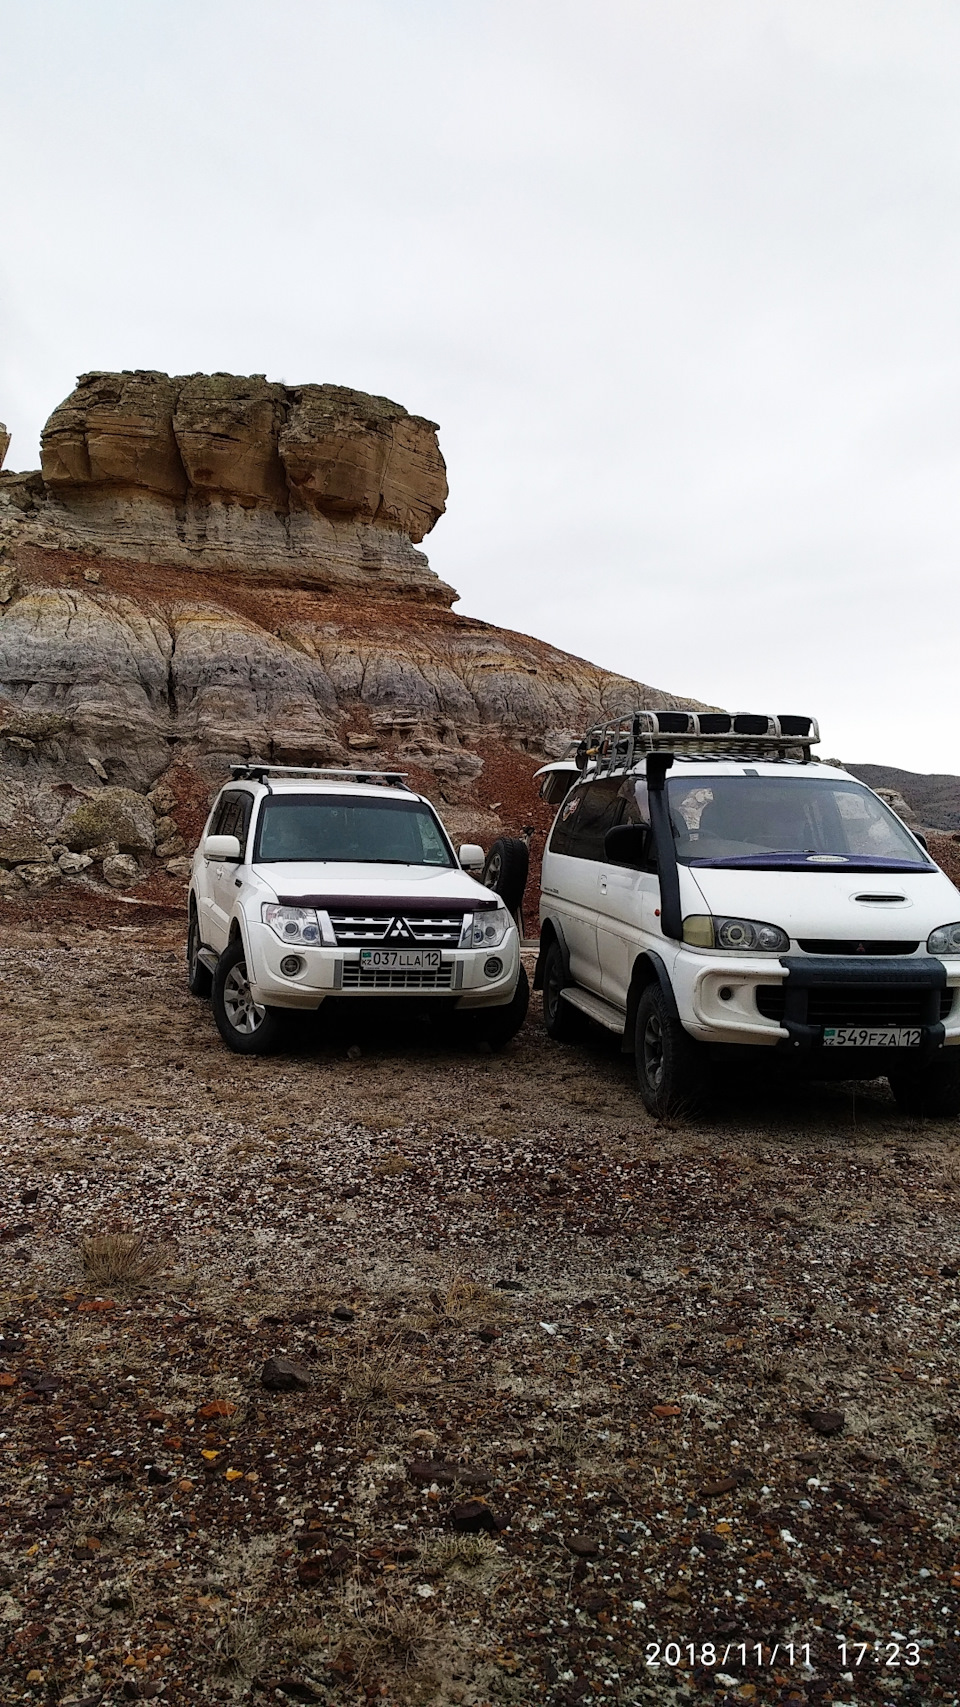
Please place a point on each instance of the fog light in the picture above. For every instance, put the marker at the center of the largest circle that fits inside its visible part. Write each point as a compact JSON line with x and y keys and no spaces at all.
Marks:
{"x":726,"y":993}
{"x":290,"y":965}
{"x":493,"y":967}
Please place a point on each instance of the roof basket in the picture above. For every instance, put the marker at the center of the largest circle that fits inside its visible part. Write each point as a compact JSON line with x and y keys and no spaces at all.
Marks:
{"x":254,"y":771}
{"x":619,"y":744}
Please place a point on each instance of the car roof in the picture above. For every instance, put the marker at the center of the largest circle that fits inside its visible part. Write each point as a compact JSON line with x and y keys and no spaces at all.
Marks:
{"x":328,"y":785}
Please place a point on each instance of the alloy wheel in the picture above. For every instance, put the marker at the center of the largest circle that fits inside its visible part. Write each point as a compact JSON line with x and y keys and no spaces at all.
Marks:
{"x":653,"y":1051}
{"x":241,"y":1010}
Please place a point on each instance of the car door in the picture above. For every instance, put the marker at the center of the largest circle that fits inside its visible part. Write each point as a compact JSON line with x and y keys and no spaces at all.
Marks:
{"x":577,"y":844}
{"x":626,"y":904}
{"x":222,"y":875}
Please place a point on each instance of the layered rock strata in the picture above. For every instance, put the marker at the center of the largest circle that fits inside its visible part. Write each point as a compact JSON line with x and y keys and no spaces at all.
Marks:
{"x":212,"y":569}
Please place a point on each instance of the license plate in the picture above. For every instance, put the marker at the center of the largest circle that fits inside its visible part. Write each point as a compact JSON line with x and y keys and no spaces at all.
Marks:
{"x":400,"y":959}
{"x":870,"y":1037}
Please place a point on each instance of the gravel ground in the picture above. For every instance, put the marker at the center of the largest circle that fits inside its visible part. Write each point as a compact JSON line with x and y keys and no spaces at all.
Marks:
{"x":581,"y":1409}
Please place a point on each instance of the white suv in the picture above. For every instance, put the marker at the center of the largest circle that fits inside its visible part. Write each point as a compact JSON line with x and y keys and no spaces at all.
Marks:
{"x":752,"y":906}
{"x":310,"y":886}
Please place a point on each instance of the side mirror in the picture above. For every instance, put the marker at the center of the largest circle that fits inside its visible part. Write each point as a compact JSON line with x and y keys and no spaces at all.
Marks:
{"x":627,"y":844}
{"x":922,"y":840}
{"x":471,"y":856}
{"x":221,"y":847}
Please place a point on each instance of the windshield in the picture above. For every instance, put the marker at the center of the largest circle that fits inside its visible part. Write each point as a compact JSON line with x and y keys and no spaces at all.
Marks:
{"x":767,"y":821}
{"x":350,"y":828}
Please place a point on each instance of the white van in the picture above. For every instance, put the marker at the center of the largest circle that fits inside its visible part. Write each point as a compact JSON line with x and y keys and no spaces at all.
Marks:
{"x":710,"y":891}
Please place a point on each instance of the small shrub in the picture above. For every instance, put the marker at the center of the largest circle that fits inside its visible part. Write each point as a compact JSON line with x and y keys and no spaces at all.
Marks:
{"x":119,"y":1262}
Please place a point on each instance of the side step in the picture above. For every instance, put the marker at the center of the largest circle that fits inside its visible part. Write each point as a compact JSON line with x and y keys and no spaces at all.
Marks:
{"x":208,"y":959}
{"x":595,"y":1008}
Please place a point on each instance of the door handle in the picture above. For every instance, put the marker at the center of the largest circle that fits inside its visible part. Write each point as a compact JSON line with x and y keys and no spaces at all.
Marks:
{"x":603,"y":886}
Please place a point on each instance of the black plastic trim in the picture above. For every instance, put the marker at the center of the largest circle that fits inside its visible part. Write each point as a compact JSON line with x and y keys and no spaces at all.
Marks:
{"x":665,"y":848}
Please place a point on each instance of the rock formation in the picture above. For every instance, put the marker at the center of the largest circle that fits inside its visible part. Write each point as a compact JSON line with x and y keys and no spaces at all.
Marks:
{"x":212,"y":470}
{"x":213,"y":568}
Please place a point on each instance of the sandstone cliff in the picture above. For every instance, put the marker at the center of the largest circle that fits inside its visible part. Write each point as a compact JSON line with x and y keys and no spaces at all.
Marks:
{"x":215,"y":568}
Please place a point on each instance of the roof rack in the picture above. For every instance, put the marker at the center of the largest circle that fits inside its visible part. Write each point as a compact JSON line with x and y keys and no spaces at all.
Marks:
{"x":619,"y":744}
{"x":254,"y":771}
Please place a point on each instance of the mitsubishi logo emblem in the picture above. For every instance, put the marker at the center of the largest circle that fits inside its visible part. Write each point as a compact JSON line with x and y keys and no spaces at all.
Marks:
{"x":861,"y":949}
{"x":399,"y":931}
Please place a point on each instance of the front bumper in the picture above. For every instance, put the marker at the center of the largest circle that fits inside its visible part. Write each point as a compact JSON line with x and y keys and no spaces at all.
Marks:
{"x":783,"y":1003}
{"x":461,"y":978}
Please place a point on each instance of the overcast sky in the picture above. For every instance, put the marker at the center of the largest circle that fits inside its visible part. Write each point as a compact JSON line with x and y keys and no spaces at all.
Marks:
{"x":680,"y":280}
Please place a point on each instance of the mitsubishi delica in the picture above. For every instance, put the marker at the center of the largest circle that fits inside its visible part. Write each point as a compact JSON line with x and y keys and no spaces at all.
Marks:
{"x":311,"y":886}
{"x":713,"y":894}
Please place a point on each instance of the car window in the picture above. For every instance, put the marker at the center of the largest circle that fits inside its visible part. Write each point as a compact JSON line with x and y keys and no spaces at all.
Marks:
{"x":350,"y":828}
{"x":232,"y":817}
{"x":585,"y":817}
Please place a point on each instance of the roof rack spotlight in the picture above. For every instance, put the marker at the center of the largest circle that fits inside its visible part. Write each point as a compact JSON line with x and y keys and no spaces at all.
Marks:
{"x":620,"y":744}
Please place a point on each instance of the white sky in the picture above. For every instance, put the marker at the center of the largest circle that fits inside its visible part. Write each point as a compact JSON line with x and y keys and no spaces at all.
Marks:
{"x":680,"y":279}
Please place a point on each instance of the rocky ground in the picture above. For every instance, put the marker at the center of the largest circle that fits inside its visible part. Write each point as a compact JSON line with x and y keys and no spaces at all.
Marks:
{"x":389,"y":1370}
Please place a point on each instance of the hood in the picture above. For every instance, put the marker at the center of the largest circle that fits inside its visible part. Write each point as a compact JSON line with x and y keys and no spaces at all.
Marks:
{"x":829,"y":903}
{"x":314,"y":883}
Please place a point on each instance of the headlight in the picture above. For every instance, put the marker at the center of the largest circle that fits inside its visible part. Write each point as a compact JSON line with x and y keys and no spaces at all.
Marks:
{"x":485,"y":930}
{"x":292,"y":924}
{"x":743,"y":936}
{"x":944,"y":940}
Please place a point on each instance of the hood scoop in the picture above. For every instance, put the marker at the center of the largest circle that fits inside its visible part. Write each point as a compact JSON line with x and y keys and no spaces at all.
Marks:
{"x":882,"y":900}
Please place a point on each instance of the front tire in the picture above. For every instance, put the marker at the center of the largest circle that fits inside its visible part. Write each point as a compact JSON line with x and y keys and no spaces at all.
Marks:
{"x":562,"y":1021}
{"x":245,"y":1026}
{"x":199,"y":977}
{"x":933,"y":1091}
{"x":672,"y":1070}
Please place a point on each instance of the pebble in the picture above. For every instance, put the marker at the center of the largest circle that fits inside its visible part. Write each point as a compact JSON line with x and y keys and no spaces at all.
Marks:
{"x":583,"y":1546}
{"x":425,"y":1471}
{"x":825,"y":1422}
{"x":282,"y":1375}
{"x":725,"y":1485}
{"x":473,"y":1517}
{"x":343,"y":1313}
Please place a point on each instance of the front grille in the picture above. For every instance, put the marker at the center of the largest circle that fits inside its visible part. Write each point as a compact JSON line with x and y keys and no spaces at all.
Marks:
{"x":857,"y":1004}
{"x":432,"y":930}
{"x":357,"y":977}
{"x":827,"y":945}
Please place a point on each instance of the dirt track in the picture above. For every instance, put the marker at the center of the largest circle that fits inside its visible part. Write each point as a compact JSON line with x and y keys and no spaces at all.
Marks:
{"x":547,"y":1304}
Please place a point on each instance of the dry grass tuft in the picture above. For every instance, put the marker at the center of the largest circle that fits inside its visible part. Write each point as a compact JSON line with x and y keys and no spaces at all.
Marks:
{"x":468,"y":1303}
{"x":240,"y":1645}
{"x":120,"y":1262}
{"x":379,"y":1376}
{"x":395,"y":1636}
{"x":465,"y":1304}
{"x":392,"y":1163}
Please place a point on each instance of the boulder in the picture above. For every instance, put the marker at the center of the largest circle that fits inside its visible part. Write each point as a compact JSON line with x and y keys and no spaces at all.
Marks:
{"x":39,"y":876}
{"x":121,"y":871}
{"x":115,"y":429}
{"x":117,"y":815}
{"x":71,"y":864}
{"x":349,"y":454}
{"x":22,"y":848}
